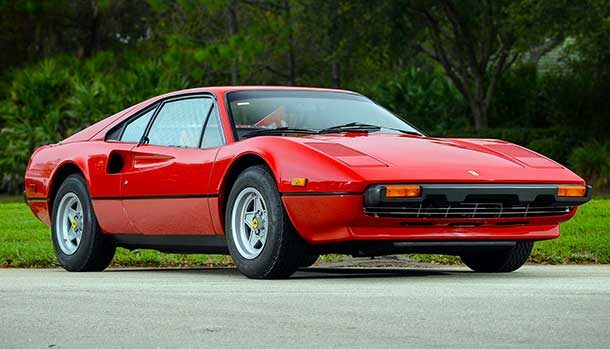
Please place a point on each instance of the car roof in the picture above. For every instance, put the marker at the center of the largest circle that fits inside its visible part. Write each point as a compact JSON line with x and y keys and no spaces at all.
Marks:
{"x":221,"y":90}
{"x":92,"y":131}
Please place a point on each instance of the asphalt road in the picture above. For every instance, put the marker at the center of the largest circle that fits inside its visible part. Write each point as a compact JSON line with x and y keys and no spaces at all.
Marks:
{"x":537,"y":306}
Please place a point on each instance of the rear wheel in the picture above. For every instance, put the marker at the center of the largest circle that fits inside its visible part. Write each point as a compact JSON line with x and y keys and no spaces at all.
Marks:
{"x":78,"y":242}
{"x":502,"y":261}
{"x":261,"y":239}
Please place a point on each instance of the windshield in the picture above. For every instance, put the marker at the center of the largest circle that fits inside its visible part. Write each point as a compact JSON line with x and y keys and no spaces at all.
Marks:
{"x":307,"y":110}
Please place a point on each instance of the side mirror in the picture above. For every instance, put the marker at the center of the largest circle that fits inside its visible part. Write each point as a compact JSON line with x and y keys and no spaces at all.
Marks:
{"x":143,"y":140}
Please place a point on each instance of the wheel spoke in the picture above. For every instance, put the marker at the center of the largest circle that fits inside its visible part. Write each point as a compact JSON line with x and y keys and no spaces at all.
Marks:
{"x":70,"y":235}
{"x":253,"y":240}
{"x":248,"y":217}
{"x":71,"y":214}
{"x":258,"y":204}
{"x":79,"y":208}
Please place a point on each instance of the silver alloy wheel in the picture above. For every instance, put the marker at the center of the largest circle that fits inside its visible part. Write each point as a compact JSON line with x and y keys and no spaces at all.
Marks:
{"x":69,"y":223}
{"x":249,"y":223}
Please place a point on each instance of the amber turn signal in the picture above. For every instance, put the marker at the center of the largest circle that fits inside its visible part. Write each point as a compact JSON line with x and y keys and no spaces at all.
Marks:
{"x":298,"y":182}
{"x":571,"y":191}
{"x":402,"y":191}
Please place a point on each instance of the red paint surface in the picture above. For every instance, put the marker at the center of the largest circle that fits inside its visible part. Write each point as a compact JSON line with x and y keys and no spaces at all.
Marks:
{"x":345,"y":163}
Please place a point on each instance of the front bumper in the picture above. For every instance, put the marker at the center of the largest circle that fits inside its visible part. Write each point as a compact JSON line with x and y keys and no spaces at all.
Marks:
{"x":473,"y":201}
{"x":461,"y":193}
{"x":470,"y":212}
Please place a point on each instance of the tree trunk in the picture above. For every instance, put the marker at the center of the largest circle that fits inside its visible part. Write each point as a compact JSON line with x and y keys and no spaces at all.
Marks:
{"x":292,"y":73}
{"x":480,"y":107}
{"x":88,"y":23}
{"x":334,"y":45}
{"x":94,"y":29}
{"x":336,"y":75}
{"x":479,"y":111}
{"x":233,"y":29}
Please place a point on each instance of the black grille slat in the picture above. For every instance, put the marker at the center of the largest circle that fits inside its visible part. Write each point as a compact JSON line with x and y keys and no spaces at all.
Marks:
{"x":469,"y":210}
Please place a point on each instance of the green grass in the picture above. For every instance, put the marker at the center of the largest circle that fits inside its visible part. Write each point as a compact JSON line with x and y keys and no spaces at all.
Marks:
{"x":584,"y":239}
{"x":26,"y":242}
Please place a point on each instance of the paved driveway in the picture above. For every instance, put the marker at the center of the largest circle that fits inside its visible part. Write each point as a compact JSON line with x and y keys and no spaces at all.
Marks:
{"x":537,"y":306}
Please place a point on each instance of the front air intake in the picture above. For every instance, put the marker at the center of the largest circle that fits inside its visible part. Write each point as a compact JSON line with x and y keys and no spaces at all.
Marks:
{"x":468,"y":210}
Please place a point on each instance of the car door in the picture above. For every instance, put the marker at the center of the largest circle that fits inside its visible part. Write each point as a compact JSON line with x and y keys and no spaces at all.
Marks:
{"x":106,"y":167}
{"x":166,"y":189}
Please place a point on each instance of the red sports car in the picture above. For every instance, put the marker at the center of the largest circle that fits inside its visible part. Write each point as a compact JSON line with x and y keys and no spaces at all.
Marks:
{"x":276,"y":176}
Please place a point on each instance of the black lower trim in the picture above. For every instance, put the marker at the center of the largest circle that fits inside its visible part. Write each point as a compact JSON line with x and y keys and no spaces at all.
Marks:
{"x":215,"y":244}
{"x":380,"y":248}
{"x":153,"y":197}
{"x":330,"y":193}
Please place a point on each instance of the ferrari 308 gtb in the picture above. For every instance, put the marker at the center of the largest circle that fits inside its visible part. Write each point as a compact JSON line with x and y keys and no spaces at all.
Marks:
{"x":276,"y":176}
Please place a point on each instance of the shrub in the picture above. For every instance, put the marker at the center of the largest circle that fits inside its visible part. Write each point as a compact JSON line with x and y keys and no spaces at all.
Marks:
{"x":57,"y":97}
{"x":578,"y":101}
{"x":425,"y":98}
{"x":592,"y":161}
{"x":32,"y":115}
{"x":518,"y":101}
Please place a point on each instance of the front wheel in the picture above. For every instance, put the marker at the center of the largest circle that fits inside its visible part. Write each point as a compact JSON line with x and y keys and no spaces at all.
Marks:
{"x":503,"y":261}
{"x":77,"y":239}
{"x":261,"y":239}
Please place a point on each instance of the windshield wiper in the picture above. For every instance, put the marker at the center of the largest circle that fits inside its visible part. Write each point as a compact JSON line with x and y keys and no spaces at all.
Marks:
{"x":362,"y":127}
{"x":278,"y":131}
{"x":404,"y":131}
{"x":351,"y":127}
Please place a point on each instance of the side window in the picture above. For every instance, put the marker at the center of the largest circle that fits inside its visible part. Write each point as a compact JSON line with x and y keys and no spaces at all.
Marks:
{"x":135,"y":128}
{"x":212,"y":136}
{"x":179,"y":123}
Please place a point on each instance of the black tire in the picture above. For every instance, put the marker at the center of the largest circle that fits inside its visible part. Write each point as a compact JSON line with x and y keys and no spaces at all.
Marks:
{"x":284,"y":249}
{"x":504,"y":261}
{"x":308,"y":260}
{"x":95,"y":251}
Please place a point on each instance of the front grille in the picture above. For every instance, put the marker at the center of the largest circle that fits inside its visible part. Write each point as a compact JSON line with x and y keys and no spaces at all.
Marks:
{"x":468,"y":210}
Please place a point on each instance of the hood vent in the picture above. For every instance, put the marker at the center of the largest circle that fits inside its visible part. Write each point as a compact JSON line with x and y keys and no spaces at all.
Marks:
{"x":349,"y":156}
{"x":523,"y":155}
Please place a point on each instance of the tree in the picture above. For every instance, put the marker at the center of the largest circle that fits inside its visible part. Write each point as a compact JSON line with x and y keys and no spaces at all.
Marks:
{"x":233,"y":28}
{"x":471,"y":41}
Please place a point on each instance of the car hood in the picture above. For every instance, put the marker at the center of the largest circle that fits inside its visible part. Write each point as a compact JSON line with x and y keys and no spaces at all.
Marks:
{"x":387,"y":156}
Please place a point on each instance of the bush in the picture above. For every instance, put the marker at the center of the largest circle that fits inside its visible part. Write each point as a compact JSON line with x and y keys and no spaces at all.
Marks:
{"x":578,"y":101}
{"x":57,"y":97}
{"x":425,"y":98}
{"x":32,"y":115}
{"x":518,"y":101}
{"x":592,"y":161}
